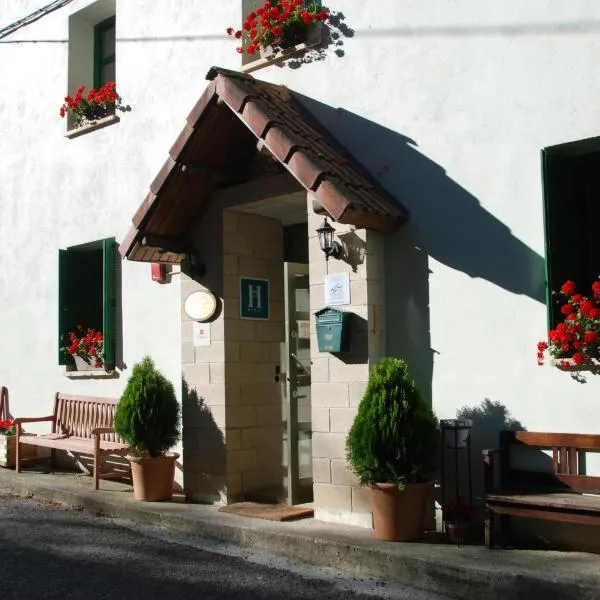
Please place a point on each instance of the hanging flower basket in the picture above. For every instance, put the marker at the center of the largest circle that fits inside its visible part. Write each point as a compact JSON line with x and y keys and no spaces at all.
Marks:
{"x":279,"y":25}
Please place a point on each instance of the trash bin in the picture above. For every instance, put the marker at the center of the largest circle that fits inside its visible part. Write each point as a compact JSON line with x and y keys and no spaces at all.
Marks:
{"x":332,"y":330}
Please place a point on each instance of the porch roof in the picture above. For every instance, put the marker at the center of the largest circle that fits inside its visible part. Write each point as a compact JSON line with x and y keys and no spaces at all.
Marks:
{"x":219,"y":141}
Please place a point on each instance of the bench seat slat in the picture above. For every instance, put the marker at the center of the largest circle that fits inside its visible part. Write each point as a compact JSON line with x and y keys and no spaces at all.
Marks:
{"x":558,"y":500}
{"x":76,"y":444}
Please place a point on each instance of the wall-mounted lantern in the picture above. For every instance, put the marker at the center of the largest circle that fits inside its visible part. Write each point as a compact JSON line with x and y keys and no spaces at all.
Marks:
{"x":326,"y":241}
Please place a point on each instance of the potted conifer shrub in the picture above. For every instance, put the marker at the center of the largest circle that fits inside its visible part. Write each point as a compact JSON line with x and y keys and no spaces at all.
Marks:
{"x":392,"y":446}
{"x":148,"y":419}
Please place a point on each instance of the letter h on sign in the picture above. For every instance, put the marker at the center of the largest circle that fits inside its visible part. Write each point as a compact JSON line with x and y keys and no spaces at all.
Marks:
{"x":254,"y":298}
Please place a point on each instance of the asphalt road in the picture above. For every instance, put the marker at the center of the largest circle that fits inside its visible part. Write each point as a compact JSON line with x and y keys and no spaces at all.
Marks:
{"x":50,"y":551}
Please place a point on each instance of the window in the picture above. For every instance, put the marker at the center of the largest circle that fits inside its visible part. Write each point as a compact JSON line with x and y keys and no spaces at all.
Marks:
{"x":87,"y":294}
{"x":104,"y":52}
{"x":92,"y":48}
{"x":571,"y":178}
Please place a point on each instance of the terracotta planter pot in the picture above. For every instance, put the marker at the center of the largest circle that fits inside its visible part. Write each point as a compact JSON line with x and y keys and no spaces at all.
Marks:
{"x":153,"y":477}
{"x":399,"y":515}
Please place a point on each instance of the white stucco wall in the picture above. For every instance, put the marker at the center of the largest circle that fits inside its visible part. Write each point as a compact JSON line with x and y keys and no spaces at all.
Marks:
{"x":448,"y":103}
{"x":477,"y":89}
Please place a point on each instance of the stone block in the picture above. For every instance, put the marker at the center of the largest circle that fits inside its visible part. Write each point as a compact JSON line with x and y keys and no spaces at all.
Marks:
{"x":187,"y":353}
{"x":321,"y":470}
{"x":269,"y":415}
{"x":330,"y":394}
{"x":270,"y":331}
{"x":196,"y":374}
{"x":241,"y":460}
{"x":231,"y":265}
{"x":215,"y":353}
{"x":320,"y":419}
{"x":253,"y":267}
{"x":255,"y":352}
{"x":329,"y":445}
{"x":241,"y":416}
{"x":361,"y":499}
{"x":319,"y":370}
{"x":332,"y":496}
{"x":357,"y":391}
{"x":347,"y":372}
{"x":341,"y":474}
{"x":217,"y":373}
{"x":341,"y":419}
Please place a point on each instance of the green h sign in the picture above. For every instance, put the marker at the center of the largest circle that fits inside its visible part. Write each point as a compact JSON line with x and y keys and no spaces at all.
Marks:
{"x":254,"y":298}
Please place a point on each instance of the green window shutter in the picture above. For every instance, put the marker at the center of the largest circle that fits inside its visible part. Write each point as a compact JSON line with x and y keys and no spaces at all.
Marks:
{"x":109,"y":316}
{"x":80,"y":293}
{"x":564,"y":224}
{"x":104,"y":52}
{"x":64,"y":312}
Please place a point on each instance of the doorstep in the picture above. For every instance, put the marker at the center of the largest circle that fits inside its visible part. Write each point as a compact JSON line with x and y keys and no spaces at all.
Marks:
{"x":470,"y":572}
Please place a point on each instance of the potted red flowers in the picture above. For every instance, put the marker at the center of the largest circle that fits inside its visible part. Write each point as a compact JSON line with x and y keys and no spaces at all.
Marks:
{"x":96,"y":104}
{"x":577,"y":337}
{"x":86,"y":347}
{"x":278,"y":24}
{"x":457,"y":517}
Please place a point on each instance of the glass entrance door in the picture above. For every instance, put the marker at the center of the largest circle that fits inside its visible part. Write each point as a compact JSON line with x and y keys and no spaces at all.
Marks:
{"x":296,"y":402}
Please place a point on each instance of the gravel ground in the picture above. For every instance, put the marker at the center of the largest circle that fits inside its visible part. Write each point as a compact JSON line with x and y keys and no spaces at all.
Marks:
{"x":51,"y":551}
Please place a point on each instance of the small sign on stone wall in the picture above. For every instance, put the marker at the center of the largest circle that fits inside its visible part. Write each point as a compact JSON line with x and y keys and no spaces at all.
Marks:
{"x":254,"y":298}
{"x":201,"y":334}
{"x":337,"y":289}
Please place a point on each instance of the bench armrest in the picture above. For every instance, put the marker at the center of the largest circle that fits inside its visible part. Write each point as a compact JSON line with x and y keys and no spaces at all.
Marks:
{"x":20,"y":420}
{"x":100,"y":430}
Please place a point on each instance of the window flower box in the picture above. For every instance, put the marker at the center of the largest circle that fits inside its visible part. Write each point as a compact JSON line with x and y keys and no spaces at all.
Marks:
{"x":96,"y":105}
{"x":575,"y":342}
{"x":280,"y":26}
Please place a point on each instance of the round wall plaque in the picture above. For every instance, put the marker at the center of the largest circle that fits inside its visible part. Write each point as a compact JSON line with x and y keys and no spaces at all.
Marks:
{"x":200,"y":306}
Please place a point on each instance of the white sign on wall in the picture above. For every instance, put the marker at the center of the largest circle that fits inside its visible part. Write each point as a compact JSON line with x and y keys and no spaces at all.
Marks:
{"x":201,"y":334}
{"x":337,"y":289}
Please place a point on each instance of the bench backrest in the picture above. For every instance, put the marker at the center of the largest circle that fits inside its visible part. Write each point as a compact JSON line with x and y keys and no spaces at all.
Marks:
{"x":79,"y":415}
{"x":3,"y":402}
{"x":567,"y":461}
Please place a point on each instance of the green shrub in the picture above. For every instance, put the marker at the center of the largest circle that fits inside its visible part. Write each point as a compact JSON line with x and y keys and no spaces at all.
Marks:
{"x":148,"y":414}
{"x":394,"y":437}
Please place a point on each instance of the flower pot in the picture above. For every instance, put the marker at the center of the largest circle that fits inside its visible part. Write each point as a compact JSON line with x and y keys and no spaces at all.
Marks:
{"x":399,"y":515}
{"x":153,"y":477}
{"x":98,"y":111}
{"x":81,"y":364}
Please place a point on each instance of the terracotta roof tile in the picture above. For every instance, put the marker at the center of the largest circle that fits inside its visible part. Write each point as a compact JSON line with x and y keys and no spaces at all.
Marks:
{"x":344,"y":189}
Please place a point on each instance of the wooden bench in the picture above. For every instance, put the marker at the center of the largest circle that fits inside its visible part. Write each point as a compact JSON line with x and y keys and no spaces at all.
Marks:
{"x":80,"y":424}
{"x":560,"y":491}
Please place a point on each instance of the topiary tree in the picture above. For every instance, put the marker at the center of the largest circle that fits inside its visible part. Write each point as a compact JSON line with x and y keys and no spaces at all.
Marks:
{"x":394,"y":437}
{"x":148,"y":414}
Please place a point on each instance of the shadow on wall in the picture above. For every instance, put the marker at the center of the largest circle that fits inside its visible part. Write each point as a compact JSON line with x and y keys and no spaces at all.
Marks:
{"x":332,"y":38}
{"x":447,"y":223}
{"x":204,"y":453}
{"x":489,"y":419}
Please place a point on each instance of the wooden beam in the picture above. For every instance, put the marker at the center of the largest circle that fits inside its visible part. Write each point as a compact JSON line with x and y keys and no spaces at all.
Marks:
{"x":165,"y":243}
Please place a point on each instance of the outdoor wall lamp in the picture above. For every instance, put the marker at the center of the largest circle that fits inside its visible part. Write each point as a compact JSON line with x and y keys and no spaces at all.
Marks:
{"x":326,"y":241}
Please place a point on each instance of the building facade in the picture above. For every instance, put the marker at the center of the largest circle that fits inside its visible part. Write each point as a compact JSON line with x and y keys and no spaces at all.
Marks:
{"x":417,"y":130}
